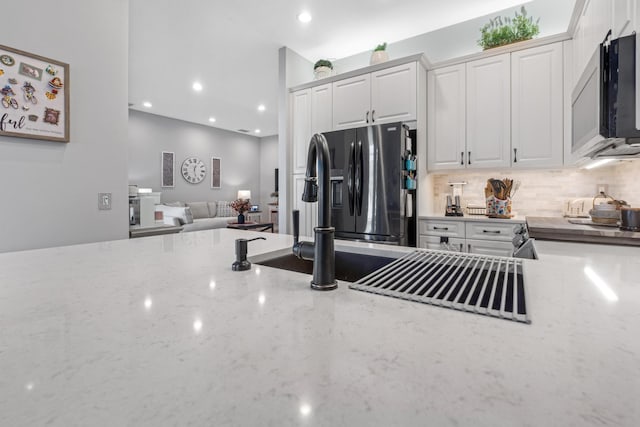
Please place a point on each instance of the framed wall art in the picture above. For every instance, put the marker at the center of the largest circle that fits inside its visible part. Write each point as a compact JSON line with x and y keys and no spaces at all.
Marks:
{"x":216,"y":172}
{"x":168,"y":169}
{"x":34,"y":92}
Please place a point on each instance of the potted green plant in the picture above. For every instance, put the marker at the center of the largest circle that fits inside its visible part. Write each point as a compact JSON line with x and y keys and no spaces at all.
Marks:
{"x":379,"y":54}
{"x":322,"y":68}
{"x":502,"y":31}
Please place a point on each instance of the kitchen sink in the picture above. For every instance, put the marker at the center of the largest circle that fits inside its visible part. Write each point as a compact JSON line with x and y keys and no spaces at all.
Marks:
{"x":489,"y":285}
{"x":350,"y":266}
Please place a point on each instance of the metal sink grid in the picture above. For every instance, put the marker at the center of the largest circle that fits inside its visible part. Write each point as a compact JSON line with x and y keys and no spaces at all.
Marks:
{"x":489,"y":285}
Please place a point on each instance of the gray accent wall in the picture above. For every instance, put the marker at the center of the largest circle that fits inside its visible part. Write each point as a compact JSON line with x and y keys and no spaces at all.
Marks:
{"x":150,"y":134}
{"x":49,"y":190}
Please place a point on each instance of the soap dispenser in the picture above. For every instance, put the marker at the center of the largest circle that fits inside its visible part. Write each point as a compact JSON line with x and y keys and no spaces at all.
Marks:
{"x":241,"y":263}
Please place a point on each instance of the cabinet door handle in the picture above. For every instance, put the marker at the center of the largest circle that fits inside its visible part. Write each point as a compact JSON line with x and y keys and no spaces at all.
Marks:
{"x":515,"y":155}
{"x":491,"y":231}
{"x":373,"y":118}
{"x":367,"y":117}
{"x":469,"y":158}
{"x":462,"y":158}
{"x":441,"y":228}
{"x":461,"y":247}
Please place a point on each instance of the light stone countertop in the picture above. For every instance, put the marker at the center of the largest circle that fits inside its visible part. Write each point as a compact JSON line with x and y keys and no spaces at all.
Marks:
{"x":159,"y":331}
{"x":559,"y":228}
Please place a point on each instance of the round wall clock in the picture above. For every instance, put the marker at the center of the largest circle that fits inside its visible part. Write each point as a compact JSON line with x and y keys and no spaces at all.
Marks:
{"x":193,"y":170}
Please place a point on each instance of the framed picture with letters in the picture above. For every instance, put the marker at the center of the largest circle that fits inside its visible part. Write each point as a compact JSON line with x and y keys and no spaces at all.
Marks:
{"x":34,"y":92}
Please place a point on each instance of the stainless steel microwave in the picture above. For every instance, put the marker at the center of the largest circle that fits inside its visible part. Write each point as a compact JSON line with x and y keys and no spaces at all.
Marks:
{"x":604,"y":103}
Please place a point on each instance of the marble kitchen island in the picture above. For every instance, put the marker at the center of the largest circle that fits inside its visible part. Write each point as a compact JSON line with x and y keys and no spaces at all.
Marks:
{"x":159,"y":331}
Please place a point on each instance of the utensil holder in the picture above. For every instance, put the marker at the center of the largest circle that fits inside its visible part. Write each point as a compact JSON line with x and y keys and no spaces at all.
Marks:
{"x":498,"y":208}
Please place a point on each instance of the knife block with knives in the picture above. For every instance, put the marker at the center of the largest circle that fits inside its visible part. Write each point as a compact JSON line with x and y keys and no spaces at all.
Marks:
{"x":498,"y":196}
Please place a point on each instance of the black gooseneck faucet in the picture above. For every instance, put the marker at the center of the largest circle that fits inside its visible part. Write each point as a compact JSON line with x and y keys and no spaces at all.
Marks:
{"x":322,"y":250}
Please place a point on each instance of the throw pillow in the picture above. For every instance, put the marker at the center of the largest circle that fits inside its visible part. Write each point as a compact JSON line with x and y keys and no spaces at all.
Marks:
{"x":213,"y":209}
{"x":224,"y":209}
{"x":175,"y":204}
{"x":174,"y":212}
{"x":188,"y":216}
{"x":199,"y":209}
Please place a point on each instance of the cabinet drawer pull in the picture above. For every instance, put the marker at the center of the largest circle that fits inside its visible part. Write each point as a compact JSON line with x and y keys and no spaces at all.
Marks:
{"x":491,"y":231}
{"x":441,"y":228}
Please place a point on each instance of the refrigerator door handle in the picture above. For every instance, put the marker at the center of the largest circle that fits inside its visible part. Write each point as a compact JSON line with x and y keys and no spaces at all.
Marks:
{"x":358,"y":179}
{"x":352,"y":159}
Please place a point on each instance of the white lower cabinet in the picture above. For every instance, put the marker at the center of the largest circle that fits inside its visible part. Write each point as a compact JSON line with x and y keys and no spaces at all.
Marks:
{"x":489,"y":247}
{"x":491,"y":230}
{"x":436,"y":242}
{"x":472,"y":236}
{"x":443,"y":228}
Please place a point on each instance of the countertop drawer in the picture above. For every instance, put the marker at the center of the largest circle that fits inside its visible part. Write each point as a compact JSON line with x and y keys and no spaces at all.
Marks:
{"x":433,"y":242}
{"x":442,"y":228}
{"x":491,"y":231}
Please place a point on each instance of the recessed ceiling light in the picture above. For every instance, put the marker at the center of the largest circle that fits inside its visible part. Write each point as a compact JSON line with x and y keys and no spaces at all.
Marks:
{"x":304,"y":17}
{"x":147,"y":104}
{"x":257,"y":131}
{"x":261,"y":107}
{"x":197,"y":86}
{"x":212,"y":119}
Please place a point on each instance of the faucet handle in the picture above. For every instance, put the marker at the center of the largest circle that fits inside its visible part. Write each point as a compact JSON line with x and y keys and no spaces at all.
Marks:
{"x":296,"y":225}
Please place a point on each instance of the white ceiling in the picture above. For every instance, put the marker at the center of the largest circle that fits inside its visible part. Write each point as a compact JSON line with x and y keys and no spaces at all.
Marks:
{"x":231,"y":47}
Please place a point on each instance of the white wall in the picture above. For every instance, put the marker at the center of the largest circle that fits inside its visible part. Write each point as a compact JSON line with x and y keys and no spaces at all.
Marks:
{"x":293,"y":70}
{"x":49,"y":190}
{"x":268,"y":164}
{"x":149,"y":135}
{"x":461,"y":39}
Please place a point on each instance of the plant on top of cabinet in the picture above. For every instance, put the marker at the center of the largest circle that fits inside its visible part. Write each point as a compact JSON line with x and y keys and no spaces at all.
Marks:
{"x":502,"y":31}
{"x":322,"y":68}
{"x":379,"y":54}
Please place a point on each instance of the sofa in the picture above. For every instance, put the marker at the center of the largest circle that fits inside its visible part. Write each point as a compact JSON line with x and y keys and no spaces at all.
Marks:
{"x":196,"y":216}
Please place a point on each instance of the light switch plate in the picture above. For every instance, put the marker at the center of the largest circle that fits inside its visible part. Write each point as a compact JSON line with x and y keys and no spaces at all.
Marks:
{"x":104,"y":201}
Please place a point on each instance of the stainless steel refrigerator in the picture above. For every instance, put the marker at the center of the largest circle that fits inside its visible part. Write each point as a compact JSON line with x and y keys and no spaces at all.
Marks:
{"x":372,"y":183}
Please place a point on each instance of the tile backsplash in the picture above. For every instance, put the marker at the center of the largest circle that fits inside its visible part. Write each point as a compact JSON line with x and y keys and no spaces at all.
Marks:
{"x":626,"y":183}
{"x":542,"y":192}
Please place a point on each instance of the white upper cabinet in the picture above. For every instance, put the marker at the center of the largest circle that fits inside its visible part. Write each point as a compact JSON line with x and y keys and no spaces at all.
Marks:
{"x":393,"y":94}
{"x":446,"y":118}
{"x":489,"y":112}
{"x":383,"y":96}
{"x":311,"y":113}
{"x":351,"y":102}
{"x":301,"y":128}
{"x":537,"y":107}
{"x":321,"y":108}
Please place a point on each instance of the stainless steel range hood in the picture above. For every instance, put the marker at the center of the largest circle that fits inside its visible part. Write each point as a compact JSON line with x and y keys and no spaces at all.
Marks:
{"x":618,"y":149}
